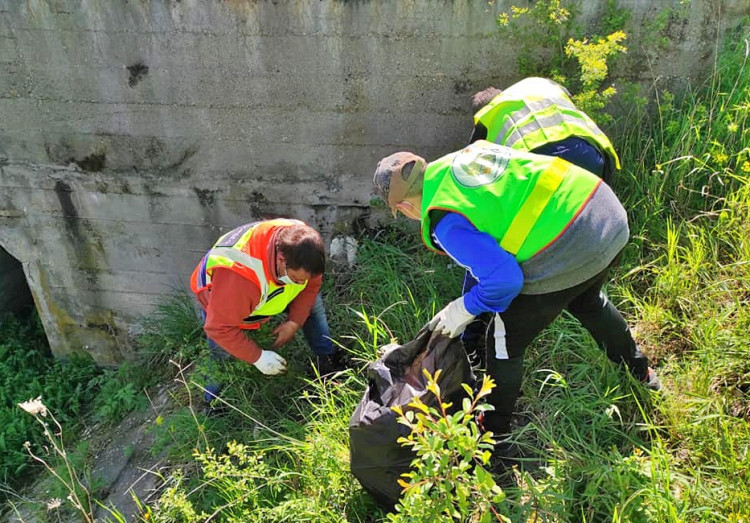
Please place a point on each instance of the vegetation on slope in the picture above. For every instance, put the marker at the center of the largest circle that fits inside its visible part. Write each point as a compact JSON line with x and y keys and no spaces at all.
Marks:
{"x":596,"y":445}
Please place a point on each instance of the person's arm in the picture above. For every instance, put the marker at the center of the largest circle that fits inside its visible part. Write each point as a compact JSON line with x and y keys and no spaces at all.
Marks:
{"x":300,"y":307}
{"x":499,"y":275}
{"x":299,"y":311}
{"x":231,"y":300}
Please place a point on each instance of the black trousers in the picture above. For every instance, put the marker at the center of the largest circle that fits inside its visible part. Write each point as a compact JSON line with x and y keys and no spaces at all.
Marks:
{"x":526,"y":317}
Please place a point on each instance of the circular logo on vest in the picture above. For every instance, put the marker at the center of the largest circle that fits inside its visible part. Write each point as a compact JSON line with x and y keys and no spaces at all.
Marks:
{"x":475,"y":166}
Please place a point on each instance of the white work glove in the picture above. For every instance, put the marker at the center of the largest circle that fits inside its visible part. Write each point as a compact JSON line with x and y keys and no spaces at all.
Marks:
{"x":452,"y":320}
{"x":270,"y":363}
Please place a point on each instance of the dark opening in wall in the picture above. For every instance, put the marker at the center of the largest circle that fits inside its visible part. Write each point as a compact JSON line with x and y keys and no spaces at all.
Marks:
{"x":19,"y":321}
{"x":15,"y":295}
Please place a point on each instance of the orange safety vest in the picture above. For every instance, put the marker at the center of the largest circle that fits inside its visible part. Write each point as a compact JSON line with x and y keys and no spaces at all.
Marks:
{"x":244,"y":250}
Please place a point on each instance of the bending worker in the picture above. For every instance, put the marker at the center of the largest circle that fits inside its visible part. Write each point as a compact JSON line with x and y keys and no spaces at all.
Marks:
{"x":535,"y":115}
{"x":539,"y":235}
{"x":255,"y":272}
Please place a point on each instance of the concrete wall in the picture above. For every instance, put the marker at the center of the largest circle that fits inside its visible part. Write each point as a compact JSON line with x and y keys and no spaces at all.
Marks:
{"x":134,"y":132}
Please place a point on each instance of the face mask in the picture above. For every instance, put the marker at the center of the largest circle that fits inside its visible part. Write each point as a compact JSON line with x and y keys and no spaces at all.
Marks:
{"x":286,"y":280}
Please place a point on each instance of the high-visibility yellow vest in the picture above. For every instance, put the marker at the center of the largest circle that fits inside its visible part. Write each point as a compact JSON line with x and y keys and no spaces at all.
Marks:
{"x":523,"y":200}
{"x":538,"y":111}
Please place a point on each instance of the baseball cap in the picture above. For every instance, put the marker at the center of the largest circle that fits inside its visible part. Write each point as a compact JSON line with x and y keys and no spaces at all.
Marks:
{"x":398,"y":176}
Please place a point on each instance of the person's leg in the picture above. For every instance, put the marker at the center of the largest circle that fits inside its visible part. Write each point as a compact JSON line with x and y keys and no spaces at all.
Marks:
{"x":608,"y":328}
{"x":475,"y":335}
{"x":213,"y":388}
{"x":514,"y":330}
{"x":217,"y":354}
{"x":316,"y":331}
{"x":318,"y":336}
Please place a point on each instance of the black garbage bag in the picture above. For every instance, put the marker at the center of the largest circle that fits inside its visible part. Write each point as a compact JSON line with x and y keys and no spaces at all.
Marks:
{"x":377,"y":460}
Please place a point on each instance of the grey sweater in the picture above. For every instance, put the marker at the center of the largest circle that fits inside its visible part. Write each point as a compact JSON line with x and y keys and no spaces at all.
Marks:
{"x":591,"y":242}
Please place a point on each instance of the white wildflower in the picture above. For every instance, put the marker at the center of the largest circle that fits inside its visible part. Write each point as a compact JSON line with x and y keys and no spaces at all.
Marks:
{"x":34,"y":406}
{"x":54,"y":504}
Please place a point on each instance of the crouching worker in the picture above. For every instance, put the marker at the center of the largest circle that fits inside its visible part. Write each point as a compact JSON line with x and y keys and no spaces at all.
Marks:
{"x":255,"y":272}
{"x":538,"y":234}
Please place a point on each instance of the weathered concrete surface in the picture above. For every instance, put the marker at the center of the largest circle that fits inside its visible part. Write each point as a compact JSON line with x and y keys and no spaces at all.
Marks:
{"x":133,"y":133}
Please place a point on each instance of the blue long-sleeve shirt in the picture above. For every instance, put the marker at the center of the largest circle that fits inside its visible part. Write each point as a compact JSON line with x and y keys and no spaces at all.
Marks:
{"x":497,"y":272}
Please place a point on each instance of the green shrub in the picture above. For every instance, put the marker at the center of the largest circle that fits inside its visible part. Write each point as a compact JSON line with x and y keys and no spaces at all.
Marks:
{"x":448,"y":480}
{"x":555,"y":46}
{"x":27,"y":370}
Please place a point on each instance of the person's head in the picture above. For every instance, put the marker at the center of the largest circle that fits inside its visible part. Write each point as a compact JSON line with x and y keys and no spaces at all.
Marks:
{"x":300,"y":253}
{"x":398,"y":181}
{"x":483,"y":97}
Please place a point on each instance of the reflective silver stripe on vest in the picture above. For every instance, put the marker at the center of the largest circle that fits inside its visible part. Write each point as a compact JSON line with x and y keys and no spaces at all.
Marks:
{"x":514,"y":137}
{"x":543,"y":104}
{"x":517,"y":132}
{"x":245,"y":259}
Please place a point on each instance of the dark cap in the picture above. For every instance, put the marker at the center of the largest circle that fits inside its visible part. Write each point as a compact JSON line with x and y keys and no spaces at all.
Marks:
{"x":398,"y":176}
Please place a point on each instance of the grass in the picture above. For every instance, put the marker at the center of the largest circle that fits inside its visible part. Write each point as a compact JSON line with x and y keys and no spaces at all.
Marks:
{"x":597,"y":445}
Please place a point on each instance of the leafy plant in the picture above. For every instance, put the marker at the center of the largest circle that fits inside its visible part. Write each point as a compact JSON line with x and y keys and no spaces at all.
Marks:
{"x":592,"y":59}
{"x":551,"y":40}
{"x":448,"y":480}
{"x":27,"y":369}
{"x":118,"y":394}
{"x":551,"y":24}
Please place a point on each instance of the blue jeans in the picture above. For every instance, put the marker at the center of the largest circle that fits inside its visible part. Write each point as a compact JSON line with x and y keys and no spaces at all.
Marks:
{"x":316,"y":332}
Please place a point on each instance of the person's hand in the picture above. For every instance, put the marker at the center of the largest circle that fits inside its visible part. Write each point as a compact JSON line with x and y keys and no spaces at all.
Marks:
{"x":270,"y":363}
{"x":284,"y":333}
{"x":452,"y":320}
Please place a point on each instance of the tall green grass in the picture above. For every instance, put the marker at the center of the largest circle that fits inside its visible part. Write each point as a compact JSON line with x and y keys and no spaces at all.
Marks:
{"x":690,"y":289}
{"x":606,"y":449}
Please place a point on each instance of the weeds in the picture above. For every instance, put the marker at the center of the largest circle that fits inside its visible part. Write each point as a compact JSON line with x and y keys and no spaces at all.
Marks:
{"x":78,"y":495}
{"x":558,"y":42}
{"x":28,"y":370}
{"x":450,"y":479}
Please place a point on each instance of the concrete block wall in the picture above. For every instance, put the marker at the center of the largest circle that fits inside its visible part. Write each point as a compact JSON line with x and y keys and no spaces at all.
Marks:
{"x":133,"y":133}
